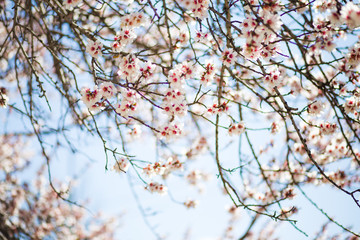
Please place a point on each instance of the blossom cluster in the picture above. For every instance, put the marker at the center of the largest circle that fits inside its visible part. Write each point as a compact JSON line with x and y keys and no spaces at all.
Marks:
{"x":197,"y":148}
{"x":4,"y":99}
{"x":328,"y":128}
{"x":236,"y":129}
{"x":195,"y":176}
{"x":129,"y":103}
{"x":315,"y":108}
{"x":191,"y":203}
{"x":91,"y":98}
{"x":155,"y":187}
{"x":228,"y":57}
{"x":163,"y":169}
{"x":26,"y":205}
{"x":260,"y":35}
{"x":94,"y":48}
{"x":198,"y":7}
{"x":350,"y":13}
{"x":170,"y":130}
{"x":121,"y":165}
{"x":217,"y":108}
{"x":129,"y":68}
{"x":122,"y":39}
{"x":207,"y":76}
{"x":174,"y":103}
{"x":71,"y":3}
{"x":273,"y":78}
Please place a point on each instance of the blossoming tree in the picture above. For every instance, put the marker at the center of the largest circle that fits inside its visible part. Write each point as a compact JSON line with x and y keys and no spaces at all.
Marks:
{"x":267,"y":91}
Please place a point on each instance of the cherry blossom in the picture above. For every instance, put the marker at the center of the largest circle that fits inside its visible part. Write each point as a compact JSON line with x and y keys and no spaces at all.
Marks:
{"x":94,"y":48}
{"x":315,"y":108}
{"x":4,"y":99}
{"x":107,"y":90}
{"x":351,"y":14}
{"x":129,"y":68}
{"x":71,"y":3}
{"x":121,"y":165}
{"x":170,"y":131}
{"x":122,"y":39}
{"x":155,"y":187}
{"x":191,"y":203}
{"x":236,"y":129}
{"x":90,"y":97}
{"x":129,"y":103}
{"x":229,"y":57}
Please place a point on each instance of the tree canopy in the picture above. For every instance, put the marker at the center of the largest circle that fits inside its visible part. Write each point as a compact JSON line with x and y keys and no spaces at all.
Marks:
{"x":261,"y":95}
